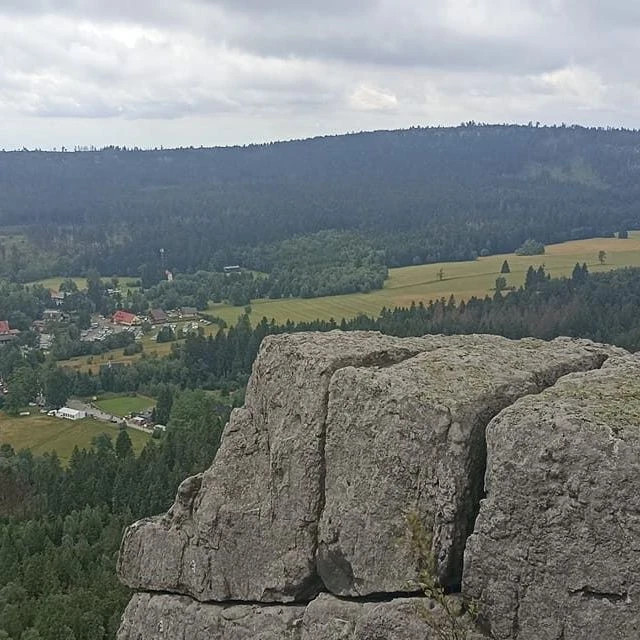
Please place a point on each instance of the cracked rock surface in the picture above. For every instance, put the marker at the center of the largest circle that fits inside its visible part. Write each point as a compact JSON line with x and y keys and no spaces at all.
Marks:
{"x":165,"y":617}
{"x":409,"y":439}
{"x":556,"y":549}
{"x":249,"y":531}
{"x":342,"y":437}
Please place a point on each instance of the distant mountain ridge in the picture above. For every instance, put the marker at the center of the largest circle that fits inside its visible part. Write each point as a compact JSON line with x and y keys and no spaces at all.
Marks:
{"x":420,"y":195}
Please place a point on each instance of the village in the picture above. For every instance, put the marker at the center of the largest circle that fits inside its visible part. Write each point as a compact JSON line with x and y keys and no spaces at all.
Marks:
{"x":152,"y":325}
{"x":102,"y":327}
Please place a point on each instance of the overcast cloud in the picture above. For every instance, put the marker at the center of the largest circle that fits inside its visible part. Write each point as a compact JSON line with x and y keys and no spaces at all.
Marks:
{"x":191,"y":72}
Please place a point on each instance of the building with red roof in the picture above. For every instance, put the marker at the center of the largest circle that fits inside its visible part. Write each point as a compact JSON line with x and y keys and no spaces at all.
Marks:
{"x":125,"y":317}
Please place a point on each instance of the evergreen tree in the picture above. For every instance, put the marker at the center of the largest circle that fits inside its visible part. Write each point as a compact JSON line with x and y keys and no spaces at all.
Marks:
{"x":123,"y":447}
{"x":164,"y":403}
{"x":505,"y":267}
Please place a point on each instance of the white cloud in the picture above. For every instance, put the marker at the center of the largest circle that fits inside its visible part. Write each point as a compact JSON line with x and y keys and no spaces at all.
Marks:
{"x":372,"y":99}
{"x":216,"y":71}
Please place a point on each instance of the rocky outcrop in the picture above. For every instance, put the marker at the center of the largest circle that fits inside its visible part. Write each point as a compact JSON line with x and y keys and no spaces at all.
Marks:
{"x":344,"y":436}
{"x":168,"y":617}
{"x":556,"y":547}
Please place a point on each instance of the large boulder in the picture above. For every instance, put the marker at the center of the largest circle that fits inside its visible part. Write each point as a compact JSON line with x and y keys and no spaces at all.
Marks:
{"x":556,"y":549}
{"x":331,"y":618}
{"x":407,"y":441}
{"x":247,"y":529}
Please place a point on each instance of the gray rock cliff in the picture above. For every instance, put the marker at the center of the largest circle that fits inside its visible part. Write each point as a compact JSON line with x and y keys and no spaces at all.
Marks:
{"x":343,"y":437}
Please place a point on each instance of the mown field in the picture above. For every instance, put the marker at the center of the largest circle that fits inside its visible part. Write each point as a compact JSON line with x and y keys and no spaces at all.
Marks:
{"x":42,"y":434}
{"x":463,"y":280}
{"x":81,"y":283}
{"x":124,"y":405}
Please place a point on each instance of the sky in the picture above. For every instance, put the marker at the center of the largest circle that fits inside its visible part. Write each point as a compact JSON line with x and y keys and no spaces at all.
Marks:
{"x":154,"y":73}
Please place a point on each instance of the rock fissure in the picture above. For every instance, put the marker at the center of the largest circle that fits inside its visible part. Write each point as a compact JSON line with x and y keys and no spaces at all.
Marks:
{"x":591,"y":592}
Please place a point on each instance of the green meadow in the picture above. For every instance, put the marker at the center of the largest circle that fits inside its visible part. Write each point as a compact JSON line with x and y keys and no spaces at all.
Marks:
{"x":42,"y":434}
{"x":405,"y":285}
{"x":124,"y":405}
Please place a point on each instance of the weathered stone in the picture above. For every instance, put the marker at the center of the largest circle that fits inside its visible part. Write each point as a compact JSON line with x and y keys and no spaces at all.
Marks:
{"x":169,"y":617}
{"x":408,"y":438}
{"x":331,"y":618}
{"x":249,"y":531}
{"x":556,"y":549}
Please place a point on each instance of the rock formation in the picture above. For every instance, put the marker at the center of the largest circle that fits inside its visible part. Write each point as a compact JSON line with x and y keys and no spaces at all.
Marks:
{"x":343,"y":437}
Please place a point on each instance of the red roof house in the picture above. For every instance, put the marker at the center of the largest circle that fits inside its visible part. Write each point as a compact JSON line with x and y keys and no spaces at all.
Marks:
{"x":125,"y":317}
{"x":4,"y":326}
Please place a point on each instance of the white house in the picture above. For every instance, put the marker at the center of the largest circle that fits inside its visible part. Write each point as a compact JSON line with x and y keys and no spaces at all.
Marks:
{"x":70,"y":414}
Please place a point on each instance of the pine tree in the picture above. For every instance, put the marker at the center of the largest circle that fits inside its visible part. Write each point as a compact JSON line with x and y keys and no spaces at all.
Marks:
{"x":505,"y":267}
{"x":124,"y":448}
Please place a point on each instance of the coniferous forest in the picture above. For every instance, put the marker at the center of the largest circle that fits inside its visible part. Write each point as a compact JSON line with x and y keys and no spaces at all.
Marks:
{"x":386,"y":198}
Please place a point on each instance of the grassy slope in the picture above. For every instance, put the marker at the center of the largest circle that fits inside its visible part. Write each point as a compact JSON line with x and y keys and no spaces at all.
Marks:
{"x":123,"y":405}
{"x":42,"y":434}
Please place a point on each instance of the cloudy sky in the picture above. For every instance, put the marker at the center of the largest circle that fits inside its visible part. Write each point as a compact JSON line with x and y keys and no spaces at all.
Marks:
{"x":191,"y":72}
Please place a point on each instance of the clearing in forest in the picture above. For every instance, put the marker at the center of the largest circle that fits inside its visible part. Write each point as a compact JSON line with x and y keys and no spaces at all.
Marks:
{"x":42,"y":434}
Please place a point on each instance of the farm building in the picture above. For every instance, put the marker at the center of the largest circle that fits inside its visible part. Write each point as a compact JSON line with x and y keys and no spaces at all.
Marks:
{"x":7,"y":334}
{"x":188,"y":312}
{"x":158,"y":316}
{"x":57,"y":297}
{"x":70,"y":414}
{"x":233,"y":268}
{"x":125,"y":318}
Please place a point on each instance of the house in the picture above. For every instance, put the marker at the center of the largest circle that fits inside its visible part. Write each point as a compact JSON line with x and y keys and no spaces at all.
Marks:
{"x":158,"y":316}
{"x":188,"y":312}
{"x":46,"y":341}
{"x":52,"y":315}
{"x":57,"y":297}
{"x":7,"y":334}
{"x":70,"y":414}
{"x":232,"y":268}
{"x":125,"y":318}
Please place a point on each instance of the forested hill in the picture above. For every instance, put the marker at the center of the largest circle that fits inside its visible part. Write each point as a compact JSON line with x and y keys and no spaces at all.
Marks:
{"x":419,"y":195}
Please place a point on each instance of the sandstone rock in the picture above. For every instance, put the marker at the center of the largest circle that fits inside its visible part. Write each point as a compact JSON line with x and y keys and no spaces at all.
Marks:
{"x":408,"y":438}
{"x":249,"y":531}
{"x":405,"y":421}
{"x":168,"y":617}
{"x":331,"y":618}
{"x":556,"y":549}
